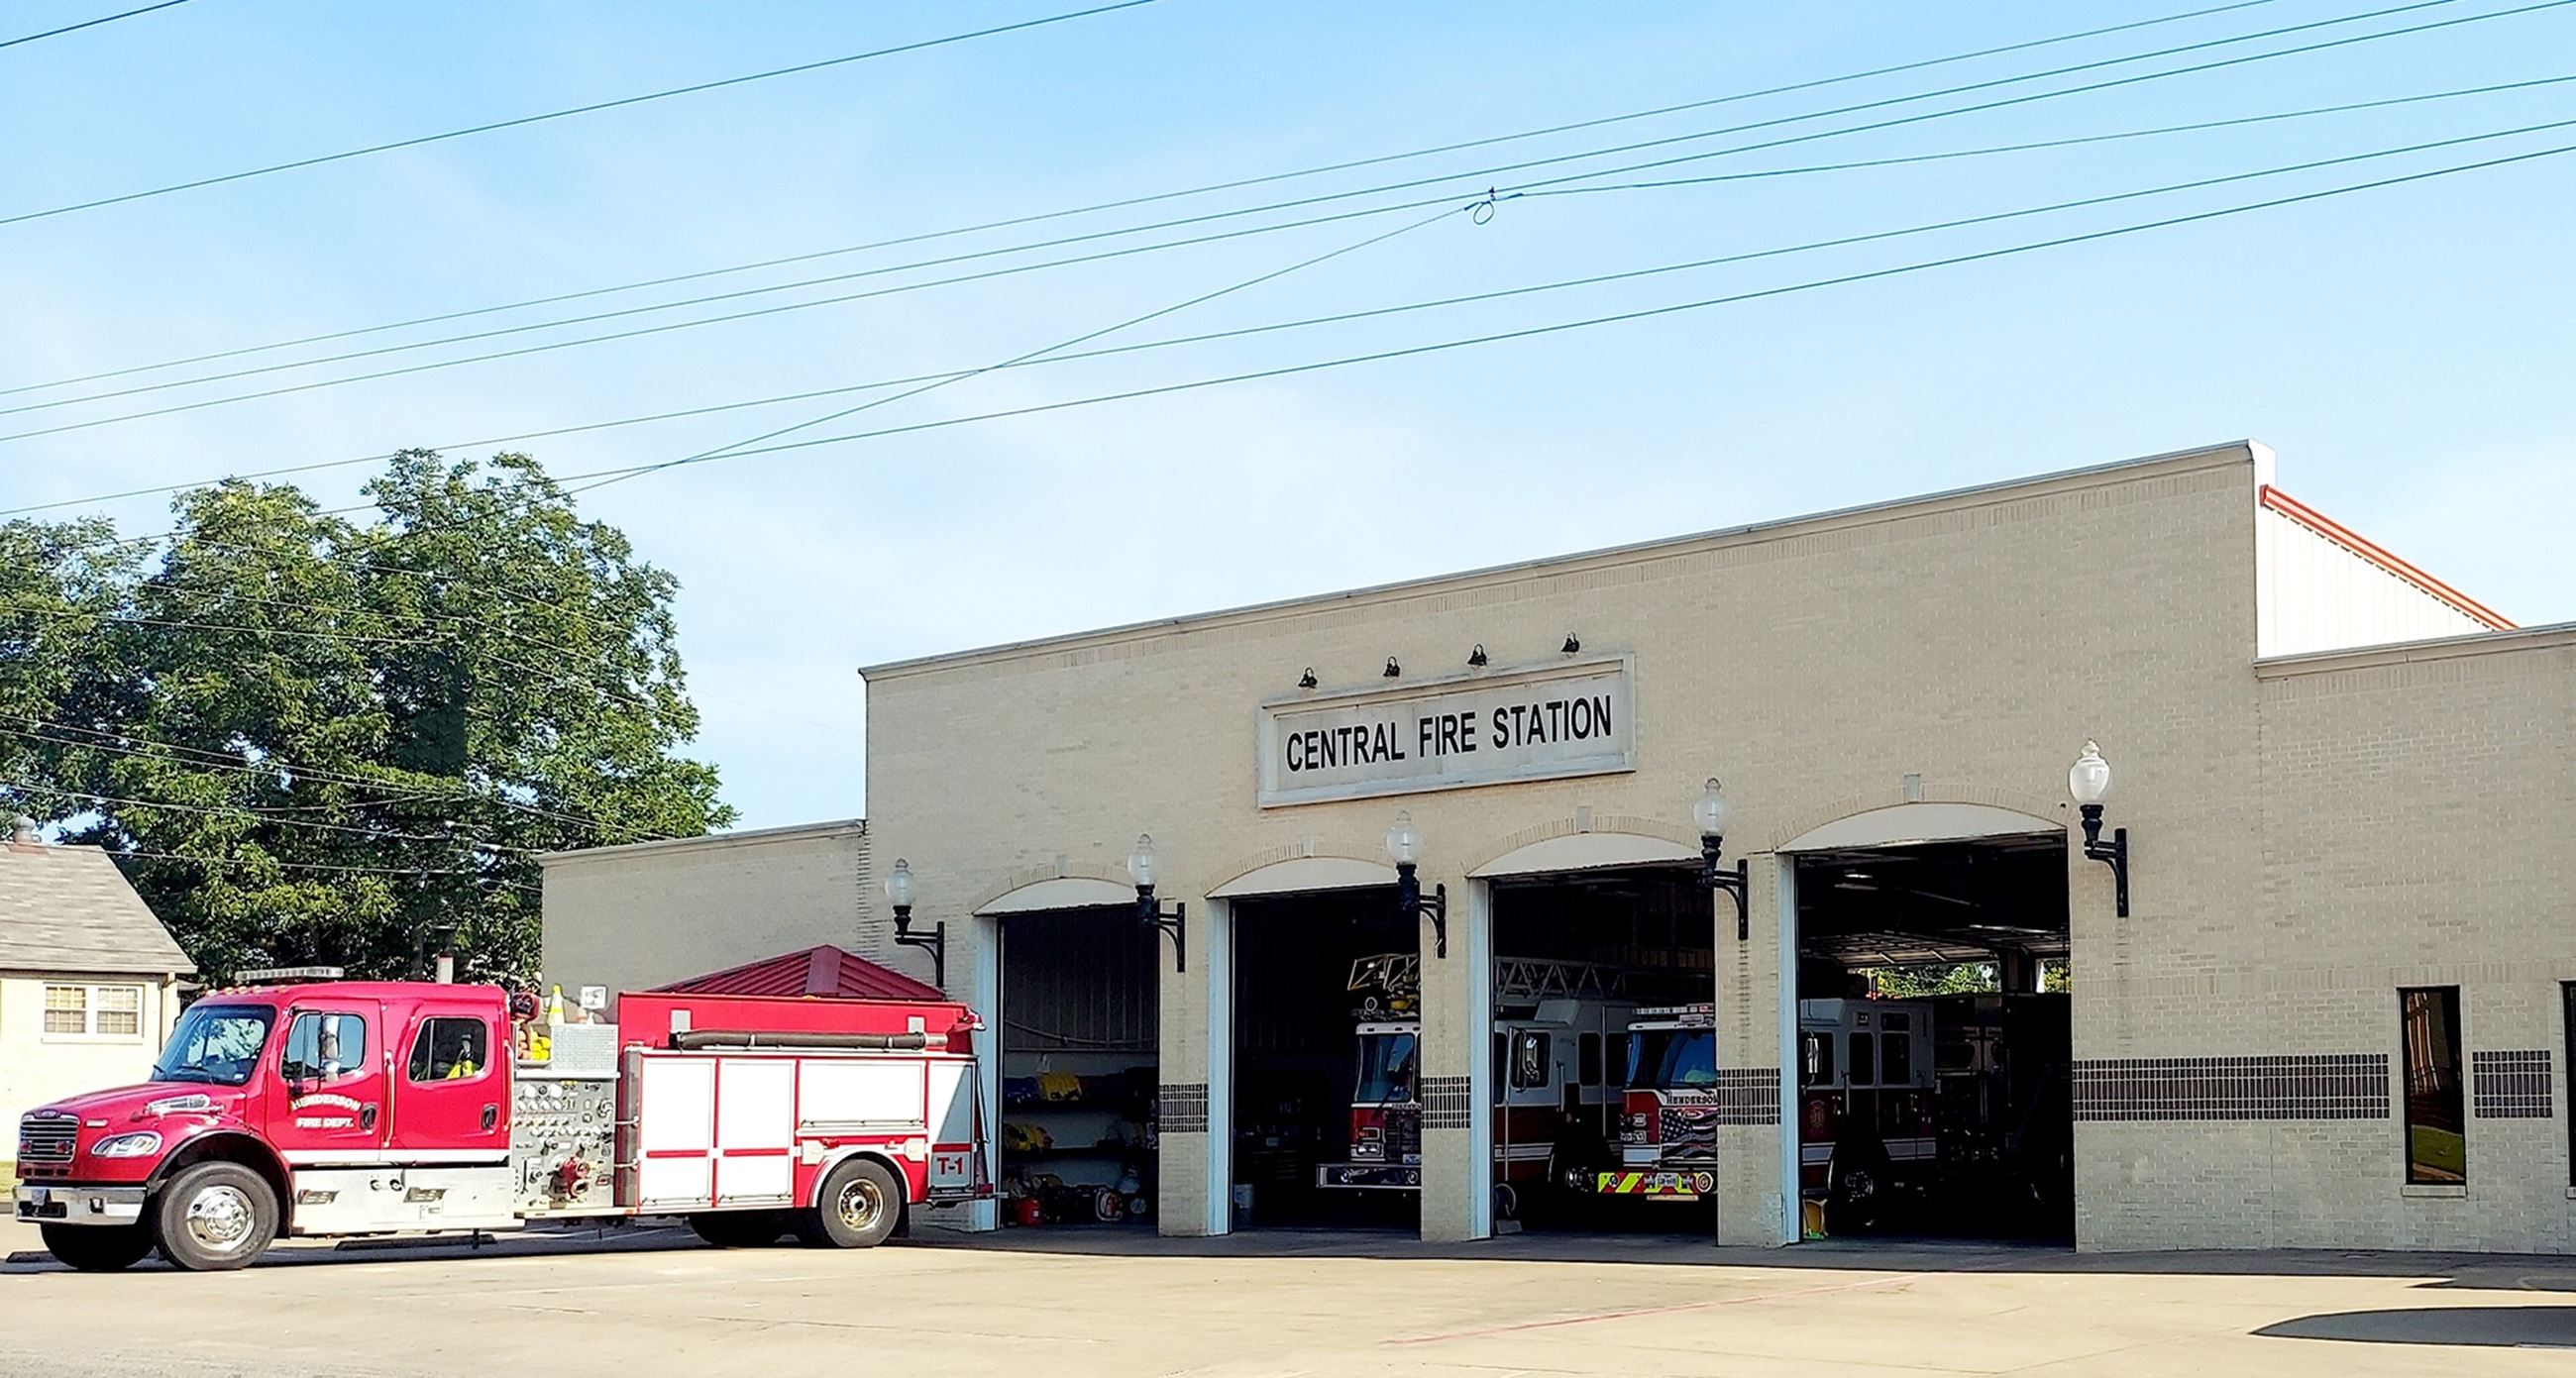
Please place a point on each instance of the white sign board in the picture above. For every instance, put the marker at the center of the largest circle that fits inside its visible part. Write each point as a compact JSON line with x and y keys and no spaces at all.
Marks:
{"x":1545,"y":723}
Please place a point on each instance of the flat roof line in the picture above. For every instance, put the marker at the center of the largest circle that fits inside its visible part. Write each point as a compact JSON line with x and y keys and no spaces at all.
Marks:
{"x":667,"y":844}
{"x":2502,"y":640}
{"x":1775,"y":527}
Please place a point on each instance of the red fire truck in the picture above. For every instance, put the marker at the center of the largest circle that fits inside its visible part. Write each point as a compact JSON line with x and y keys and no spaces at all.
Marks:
{"x":1668,"y":1114}
{"x":1865,"y":1107}
{"x":343,"y":1108}
{"x":1552,"y":1020}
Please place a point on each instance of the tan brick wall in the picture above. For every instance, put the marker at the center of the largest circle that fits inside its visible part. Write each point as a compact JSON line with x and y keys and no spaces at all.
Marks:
{"x":1975,"y":641}
{"x":634,"y":917}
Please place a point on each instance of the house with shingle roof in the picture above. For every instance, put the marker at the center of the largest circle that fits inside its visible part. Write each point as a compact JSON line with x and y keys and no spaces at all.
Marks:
{"x":89,"y":979}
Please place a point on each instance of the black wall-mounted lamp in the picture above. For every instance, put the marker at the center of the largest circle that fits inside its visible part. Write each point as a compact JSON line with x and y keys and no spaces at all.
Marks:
{"x":1307,"y":680}
{"x":2088,"y":780}
{"x":1404,"y":845}
{"x":898,"y":890}
{"x":1573,"y":644}
{"x":1393,"y":669}
{"x":1149,"y":912}
{"x":1710,"y":813}
{"x":1476,"y":657}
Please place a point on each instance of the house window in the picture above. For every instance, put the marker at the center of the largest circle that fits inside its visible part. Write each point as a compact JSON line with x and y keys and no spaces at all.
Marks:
{"x":93,"y":1011}
{"x":2436,"y":1110}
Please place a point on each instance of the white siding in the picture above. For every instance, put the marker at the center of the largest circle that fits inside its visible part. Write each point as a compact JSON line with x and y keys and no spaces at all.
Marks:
{"x":36,"y":1067}
{"x":2317,"y":594}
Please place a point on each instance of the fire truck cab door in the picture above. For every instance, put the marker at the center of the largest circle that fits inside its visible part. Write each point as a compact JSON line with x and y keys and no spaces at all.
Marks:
{"x":327,"y":1097}
{"x":451,"y":1092}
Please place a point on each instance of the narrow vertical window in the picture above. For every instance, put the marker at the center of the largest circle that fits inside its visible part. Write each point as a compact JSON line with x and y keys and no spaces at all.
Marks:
{"x":2436,"y":1112}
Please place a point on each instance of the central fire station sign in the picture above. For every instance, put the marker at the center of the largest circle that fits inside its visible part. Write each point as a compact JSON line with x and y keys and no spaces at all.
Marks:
{"x":1539,"y":724}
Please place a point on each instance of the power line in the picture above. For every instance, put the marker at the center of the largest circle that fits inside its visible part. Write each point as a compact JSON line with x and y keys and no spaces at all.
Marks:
{"x":210,"y":760}
{"x":88,"y":24}
{"x":1275,"y":274}
{"x":264,"y":817}
{"x":1625,"y":316}
{"x":33,"y":609}
{"x":1186,"y":221}
{"x":328,"y":866}
{"x":594,"y":107}
{"x":1153,"y":198}
{"x":1055,"y":356}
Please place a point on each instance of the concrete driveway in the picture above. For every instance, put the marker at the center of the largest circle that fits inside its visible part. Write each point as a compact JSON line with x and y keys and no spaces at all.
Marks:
{"x":1054,"y":1305}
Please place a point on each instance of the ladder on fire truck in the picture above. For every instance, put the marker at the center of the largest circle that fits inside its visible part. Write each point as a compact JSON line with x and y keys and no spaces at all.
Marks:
{"x":1546,"y":978}
{"x":1517,"y":979}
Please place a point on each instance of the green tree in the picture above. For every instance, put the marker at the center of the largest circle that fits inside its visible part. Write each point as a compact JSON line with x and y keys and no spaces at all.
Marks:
{"x":321,"y":740}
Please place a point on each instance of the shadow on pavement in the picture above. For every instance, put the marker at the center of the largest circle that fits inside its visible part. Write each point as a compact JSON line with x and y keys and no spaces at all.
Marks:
{"x":2506,"y":1327}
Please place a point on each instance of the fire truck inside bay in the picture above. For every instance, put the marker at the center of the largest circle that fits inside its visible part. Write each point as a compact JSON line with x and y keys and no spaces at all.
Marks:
{"x":312,"y":1107}
{"x":1934,"y":1040}
{"x":1668,"y":1114}
{"x":1546,"y":1013}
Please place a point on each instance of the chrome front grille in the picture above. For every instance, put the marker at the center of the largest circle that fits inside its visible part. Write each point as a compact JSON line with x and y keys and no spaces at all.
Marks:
{"x":47,"y":1139}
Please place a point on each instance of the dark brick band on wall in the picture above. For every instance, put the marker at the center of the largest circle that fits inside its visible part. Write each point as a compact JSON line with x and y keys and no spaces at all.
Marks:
{"x":1184,"y":1108}
{"x":1446,"y":1103}
{"x":2510,"y":1085}
{"x":2317,"y":1086}
{"x":1748,"y":1095}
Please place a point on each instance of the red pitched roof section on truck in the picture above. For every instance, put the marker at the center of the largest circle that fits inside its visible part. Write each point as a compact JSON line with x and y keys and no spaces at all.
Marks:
{"x":819,"y":971}
{"x":2275,"y":500}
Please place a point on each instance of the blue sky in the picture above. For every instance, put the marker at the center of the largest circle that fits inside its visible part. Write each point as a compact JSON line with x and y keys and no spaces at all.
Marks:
{"x":2406,"y":351}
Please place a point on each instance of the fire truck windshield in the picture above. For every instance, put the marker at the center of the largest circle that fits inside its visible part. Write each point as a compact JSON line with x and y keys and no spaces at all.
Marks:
{"x":1386,"y":1069}
{"x":215,"y":1043}
{"x":1671,"y":1059}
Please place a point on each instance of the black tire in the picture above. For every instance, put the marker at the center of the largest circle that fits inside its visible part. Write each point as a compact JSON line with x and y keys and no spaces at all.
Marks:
{"x":96,"y":1248}
{"x":1854,"y":1198}
{"x":214,"y":1217}
{"x":856,"y":1208}
{"x":739,"y":1229}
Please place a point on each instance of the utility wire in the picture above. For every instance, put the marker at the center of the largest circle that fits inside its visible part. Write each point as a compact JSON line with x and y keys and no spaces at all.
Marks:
{"x":1187,"y":221}
{"x":1627,"y":316}
{"x":37,"y":611}
{"x":328,"y":866}
{"x":1056,"y":356}
{"x":1150,"y":199}
{"x":594,"y":107}
{"x":87,"y":24}
{"x":263,"y":816}
{"x":1484,"y":207}
{"x":197,"y":758}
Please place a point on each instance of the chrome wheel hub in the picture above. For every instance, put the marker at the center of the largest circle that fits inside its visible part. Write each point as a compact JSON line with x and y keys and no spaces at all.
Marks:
{"x":219,"y":1219}
{"x":859,"y":1204}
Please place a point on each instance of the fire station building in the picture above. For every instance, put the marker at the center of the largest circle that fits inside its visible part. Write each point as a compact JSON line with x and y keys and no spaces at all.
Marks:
{"x":2305,"y":980}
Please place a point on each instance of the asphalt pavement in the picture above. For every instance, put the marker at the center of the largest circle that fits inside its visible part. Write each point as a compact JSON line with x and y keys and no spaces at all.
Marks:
{"x":644,"y":1303}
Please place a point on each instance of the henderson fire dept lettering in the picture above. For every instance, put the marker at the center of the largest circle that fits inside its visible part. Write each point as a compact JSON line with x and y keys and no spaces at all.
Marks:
{"x":1556,"y":721}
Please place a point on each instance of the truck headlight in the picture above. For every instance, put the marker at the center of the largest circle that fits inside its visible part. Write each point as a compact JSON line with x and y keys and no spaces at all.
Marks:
{"x":128,"y":1146}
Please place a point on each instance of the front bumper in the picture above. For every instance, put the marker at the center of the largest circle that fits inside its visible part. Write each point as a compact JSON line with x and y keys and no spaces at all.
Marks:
{"x":1685,"y":1184}
{"x":73,"y":1205}
{"x":1370,"y":1176}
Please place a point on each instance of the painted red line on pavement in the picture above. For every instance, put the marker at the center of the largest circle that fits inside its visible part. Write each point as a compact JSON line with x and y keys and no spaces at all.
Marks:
{"x":1656,"y":1310}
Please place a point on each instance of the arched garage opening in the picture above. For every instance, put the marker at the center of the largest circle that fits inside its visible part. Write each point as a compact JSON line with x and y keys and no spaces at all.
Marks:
{"x":1078,"y":1034}
{"x":1929,"y":1033}
{"x":1315,"y":1050}
{"x":1602,"y":1006}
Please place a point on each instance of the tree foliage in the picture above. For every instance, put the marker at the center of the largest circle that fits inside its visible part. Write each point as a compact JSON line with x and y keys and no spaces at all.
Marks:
{"x":313,"y":739}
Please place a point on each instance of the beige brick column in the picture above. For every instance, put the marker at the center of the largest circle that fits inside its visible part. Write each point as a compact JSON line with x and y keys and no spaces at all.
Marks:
{"x":1196,"y":1098}
{"x":1457,"y":1075}
{"x":1754,"y":976}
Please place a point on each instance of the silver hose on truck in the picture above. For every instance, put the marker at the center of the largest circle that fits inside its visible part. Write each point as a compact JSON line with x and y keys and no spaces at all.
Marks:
{"x":696,"y":1039}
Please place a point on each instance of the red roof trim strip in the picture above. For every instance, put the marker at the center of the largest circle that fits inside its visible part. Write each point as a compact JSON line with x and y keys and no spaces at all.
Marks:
{"x":2346,"y":537}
